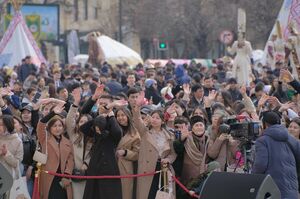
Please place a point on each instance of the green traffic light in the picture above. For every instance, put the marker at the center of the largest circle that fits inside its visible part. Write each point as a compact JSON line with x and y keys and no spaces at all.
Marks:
{"x":162,"y":45}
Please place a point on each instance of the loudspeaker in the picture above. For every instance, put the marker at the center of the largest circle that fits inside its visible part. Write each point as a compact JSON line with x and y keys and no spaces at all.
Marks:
{"x":6,"y":180}
{"x":225,"y":185}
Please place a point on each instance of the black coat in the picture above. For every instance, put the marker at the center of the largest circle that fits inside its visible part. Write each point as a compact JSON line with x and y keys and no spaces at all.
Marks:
{"x":103,"y":162}
{"x":151,"y":92}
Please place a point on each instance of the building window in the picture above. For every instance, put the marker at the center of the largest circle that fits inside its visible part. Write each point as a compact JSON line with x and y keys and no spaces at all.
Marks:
{"x":76,"y":10}
{"x":86,"y":10}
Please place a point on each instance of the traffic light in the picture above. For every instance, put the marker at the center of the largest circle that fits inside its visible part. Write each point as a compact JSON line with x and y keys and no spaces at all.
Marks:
{"x":162,"y":45}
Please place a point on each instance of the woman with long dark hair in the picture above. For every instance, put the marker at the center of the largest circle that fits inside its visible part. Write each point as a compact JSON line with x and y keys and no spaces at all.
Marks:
{"x":29,"y":147}
{"x":81,"y":143}
{"x":127,"y":150}
{"x":225,"y":98}
{"x":107,"y":134}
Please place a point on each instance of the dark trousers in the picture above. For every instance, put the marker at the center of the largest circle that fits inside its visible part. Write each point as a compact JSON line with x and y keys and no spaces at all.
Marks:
{"x":155,"y":182}
{"x":56,"y":190}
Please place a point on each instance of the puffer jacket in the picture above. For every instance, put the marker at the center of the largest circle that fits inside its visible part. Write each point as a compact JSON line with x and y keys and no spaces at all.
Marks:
{"x":274,"y":155}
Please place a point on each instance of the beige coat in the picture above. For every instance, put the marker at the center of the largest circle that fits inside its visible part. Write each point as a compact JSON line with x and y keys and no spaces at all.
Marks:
{"x":56,"y":155}
{"x":78,"y":187}
{"x":130,"y":143}
{"x":11,"y":161}
{"x":222,"y":151}
{"x":149,"y":155}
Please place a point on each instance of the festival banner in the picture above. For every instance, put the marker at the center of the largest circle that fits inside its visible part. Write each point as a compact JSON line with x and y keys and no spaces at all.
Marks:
{"x":34,"y":24}
{"x":7,"y":20}
{"x":289,"y":12}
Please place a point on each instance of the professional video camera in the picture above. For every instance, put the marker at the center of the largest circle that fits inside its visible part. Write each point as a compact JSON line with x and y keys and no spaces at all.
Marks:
{"x":246,"y":130}
{"x":243,"y":129}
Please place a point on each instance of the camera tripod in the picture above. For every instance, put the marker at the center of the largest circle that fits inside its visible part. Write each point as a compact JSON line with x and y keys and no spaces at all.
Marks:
{"x":246,"y":149}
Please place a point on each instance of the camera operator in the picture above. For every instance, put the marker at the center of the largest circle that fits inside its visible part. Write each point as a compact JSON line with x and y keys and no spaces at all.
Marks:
{"x":276,"y":153}
{"x":222,"y":147}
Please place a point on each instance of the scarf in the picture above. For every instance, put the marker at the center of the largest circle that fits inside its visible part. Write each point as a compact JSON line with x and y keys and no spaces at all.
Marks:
{"x":195,"y":149}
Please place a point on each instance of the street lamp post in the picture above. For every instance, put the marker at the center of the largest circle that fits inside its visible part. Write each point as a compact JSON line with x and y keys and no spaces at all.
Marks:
{"x":120,"y":21}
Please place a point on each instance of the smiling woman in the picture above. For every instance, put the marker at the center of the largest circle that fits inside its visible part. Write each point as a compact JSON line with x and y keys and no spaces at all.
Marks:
{"x":127,"y":150}
{"x":156,"y":150}
{"x":59,"y":152}
{"x":294,"y":128}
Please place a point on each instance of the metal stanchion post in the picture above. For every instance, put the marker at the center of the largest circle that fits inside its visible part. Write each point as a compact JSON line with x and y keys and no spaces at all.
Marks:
{"x":165,"y":177}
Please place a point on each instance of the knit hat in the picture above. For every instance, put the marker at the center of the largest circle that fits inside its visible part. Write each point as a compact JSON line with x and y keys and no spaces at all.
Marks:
{"x":149,"y":82}
{"x":196,"y":119}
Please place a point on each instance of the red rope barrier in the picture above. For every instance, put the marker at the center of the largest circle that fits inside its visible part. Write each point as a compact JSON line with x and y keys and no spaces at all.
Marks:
{"x":100,"y":177}
{"x":36,"y":194}
{"x":117,"y":177}
{"x":183,"y":187}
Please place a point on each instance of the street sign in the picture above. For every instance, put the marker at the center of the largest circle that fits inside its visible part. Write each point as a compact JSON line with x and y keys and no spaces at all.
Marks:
{"x":226,"y":37}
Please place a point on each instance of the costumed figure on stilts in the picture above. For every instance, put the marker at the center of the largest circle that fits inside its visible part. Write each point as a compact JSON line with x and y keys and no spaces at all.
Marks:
{"x":241,"y":69}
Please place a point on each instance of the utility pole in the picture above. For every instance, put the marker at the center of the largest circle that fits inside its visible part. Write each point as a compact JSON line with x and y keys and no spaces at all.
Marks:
{"x":120,"y":21}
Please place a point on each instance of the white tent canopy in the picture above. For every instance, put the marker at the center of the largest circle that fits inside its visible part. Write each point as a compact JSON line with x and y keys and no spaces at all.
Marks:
{"x":17,"y":43}
{"x":117,"y":53}
{"x":80,"y":59}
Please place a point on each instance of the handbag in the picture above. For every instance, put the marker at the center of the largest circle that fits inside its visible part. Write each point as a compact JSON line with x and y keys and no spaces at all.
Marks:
{"x":163,"y":194}
{"x":79,"y":172}
{"x":19,"y":188}
{"x":39,"y":156}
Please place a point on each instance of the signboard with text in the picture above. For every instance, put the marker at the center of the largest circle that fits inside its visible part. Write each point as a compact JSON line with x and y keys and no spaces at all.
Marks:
{"x":226,"y":37}
{"x":42,"y":20}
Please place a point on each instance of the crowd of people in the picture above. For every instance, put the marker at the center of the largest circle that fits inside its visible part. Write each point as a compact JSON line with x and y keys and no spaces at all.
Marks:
{"x":104,"y":120}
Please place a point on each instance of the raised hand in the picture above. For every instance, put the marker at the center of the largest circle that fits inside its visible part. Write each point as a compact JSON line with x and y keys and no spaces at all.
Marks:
{"x":41,"y":102}
{"x":77,"y":96}
{"x":263,"y":100}
{"x":186,"y":89}
{"x":208,"y":100}
{"x":119,"y":103}
{"x":212,"y":95}
{"x":6,"y":91}
{"x":3,"y":150}
{"x":59,"y":108}
{"x":286,"y":106}
{"x":171,"y":109}
{"x":274,"y":101}
{"x":98,"y":92}
{"x":185,"y":132}
{"x":286,"y":76}
{"x":136,"y":108}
